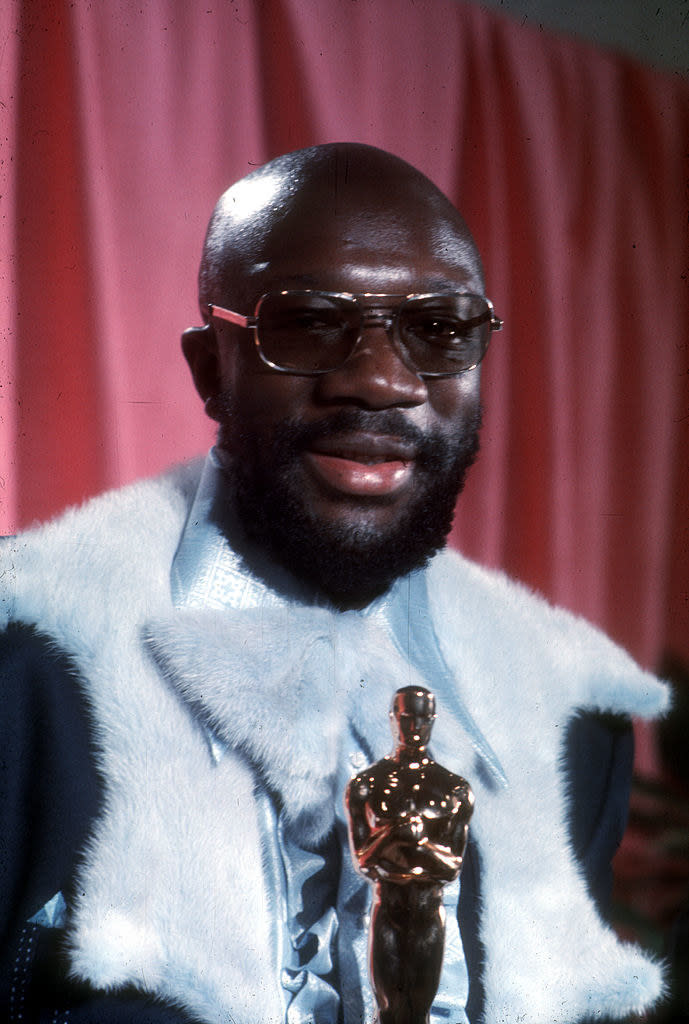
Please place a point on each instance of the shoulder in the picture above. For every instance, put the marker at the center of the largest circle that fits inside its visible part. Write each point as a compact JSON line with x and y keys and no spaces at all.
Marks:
{"x":516,"y":635}
{"x":170,"y":492}
{"x":96,"y":548}
{"x":358,"y":789}
{"x":490,"y":595}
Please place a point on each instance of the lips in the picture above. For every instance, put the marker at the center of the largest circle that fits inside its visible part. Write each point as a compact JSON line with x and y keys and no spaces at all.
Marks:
{"x":361,"y":464}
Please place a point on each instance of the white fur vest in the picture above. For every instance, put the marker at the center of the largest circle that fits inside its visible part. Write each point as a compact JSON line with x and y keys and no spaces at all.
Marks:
{"x":173,"y":892}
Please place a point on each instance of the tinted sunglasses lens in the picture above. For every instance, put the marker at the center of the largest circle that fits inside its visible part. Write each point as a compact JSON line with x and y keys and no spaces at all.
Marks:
{"x":306,"y":332}
{"x":445,"y":333}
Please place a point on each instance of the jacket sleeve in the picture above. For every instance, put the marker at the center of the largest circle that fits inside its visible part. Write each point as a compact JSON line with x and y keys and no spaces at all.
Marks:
{"x":50,"y":793}
{"x":599,"y":755}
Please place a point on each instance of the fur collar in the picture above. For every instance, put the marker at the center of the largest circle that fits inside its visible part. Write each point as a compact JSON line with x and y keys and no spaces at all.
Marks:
{"x":278,"y":685}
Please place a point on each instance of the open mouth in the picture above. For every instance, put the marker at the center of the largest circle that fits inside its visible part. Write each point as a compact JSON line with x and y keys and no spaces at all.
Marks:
{"x":363,"y":465}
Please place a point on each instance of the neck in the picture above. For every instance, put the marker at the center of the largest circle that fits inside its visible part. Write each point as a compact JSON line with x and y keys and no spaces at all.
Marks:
{"x":410,"y":752}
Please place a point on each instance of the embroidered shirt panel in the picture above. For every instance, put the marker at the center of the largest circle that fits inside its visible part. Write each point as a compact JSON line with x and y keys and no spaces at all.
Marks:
{"x":321,"y":903}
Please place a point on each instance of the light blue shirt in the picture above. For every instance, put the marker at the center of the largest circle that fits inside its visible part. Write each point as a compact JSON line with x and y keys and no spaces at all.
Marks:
{"x":322,"y":903}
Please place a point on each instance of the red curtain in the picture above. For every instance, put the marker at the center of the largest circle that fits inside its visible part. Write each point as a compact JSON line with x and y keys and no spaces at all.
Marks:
{"x":123,"y":121}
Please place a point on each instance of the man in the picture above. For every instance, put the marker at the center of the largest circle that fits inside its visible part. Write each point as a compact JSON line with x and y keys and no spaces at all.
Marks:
{"x":195,"y":666}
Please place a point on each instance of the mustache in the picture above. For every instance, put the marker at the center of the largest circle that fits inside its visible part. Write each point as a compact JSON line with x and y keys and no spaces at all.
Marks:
{"x":389,"y":422}
{"x":434,"y":451}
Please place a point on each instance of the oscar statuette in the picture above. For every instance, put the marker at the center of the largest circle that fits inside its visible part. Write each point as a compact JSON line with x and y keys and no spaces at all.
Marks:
{"x":408,"y":825}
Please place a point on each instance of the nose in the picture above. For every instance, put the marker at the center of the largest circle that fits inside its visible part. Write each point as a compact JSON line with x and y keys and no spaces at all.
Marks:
{"x":374,"y":376}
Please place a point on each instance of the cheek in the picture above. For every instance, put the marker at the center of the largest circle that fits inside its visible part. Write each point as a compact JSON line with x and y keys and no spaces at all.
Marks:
{"x":455,"y":399}
{"x":262,"y":399}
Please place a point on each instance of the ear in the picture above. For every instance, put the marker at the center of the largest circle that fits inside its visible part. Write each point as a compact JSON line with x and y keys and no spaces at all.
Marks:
{"x":200,"y":348}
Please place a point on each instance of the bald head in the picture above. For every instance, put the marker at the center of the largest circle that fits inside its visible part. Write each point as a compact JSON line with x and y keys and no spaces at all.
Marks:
{"x":414,"y":700}
{"x":367,"y":191}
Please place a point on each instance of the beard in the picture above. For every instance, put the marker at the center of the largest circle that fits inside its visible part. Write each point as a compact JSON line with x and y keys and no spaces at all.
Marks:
{"x":349,"y":563}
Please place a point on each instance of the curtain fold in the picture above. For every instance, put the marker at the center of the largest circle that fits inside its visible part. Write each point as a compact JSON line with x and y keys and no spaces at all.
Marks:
{"x":123,"y":123}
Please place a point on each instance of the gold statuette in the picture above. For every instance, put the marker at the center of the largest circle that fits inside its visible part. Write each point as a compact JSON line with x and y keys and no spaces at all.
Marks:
{"x":408,"y":824}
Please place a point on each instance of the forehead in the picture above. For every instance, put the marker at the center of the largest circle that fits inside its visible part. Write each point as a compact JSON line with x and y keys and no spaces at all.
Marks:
{"x":401,"y":244}
{"x":413,"y":706}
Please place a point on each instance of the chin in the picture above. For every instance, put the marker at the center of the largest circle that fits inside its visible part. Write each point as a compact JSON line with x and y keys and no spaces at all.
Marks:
{"x":349,"y":549}
{"x":364,"y":521}
{"x":347,"y":553}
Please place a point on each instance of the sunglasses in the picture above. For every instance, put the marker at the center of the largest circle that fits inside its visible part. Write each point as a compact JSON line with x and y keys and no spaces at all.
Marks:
{"x":314,"y":332}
